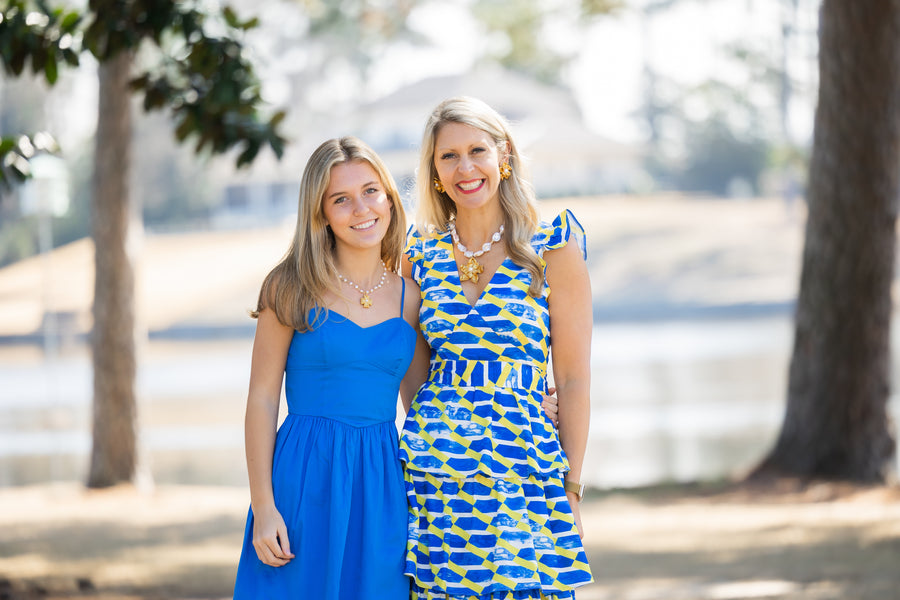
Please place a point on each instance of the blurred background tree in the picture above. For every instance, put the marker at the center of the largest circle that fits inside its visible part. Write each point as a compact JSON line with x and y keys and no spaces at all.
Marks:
{"x":722,"y":136}
{"x":515,"y":28}
{"x":518,"y":38}
{"x":209,"y":88}
{"x":351,"y":35}
{"x":836,"y":424}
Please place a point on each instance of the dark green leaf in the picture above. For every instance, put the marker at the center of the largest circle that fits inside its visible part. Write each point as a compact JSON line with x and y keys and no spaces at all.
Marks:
{"x":277,"y":118}
{"x":50,"y":71}
{"x":70,"y":57}
{"x":185,"y":128}
{"x":17,"y":62}
{"x":230,"y":17}
{"x":246,"y":157}
{"x":38,"y":60}
{"x":70,"y":21}
{"x":277,"y":144}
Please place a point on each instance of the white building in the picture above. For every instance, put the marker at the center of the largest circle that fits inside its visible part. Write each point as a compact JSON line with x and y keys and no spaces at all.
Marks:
{"x":563,"y":156}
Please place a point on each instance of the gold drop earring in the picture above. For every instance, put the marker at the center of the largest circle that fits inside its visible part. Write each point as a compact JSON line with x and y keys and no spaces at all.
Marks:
{"x":438,"y":185}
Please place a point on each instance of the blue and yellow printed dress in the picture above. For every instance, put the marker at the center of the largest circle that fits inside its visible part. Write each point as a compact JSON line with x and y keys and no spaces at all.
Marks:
{"x":483,"y":465}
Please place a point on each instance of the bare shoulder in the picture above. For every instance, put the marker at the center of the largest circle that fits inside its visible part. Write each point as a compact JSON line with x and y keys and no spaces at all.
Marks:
{"x":567,"y":259}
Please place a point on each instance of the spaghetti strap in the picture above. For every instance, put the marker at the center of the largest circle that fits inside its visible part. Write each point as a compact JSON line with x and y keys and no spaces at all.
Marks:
{"x":402,"y":294}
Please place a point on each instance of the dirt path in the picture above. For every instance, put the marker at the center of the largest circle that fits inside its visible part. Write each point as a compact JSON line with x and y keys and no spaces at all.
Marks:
{"x":684,"y":542}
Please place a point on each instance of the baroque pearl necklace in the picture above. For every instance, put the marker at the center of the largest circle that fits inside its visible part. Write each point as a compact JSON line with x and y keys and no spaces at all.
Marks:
{"x":366,"y":301}
{"x":472,"y":269}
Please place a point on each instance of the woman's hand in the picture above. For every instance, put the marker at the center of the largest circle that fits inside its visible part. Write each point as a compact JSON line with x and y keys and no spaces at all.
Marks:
{"x":270,"y":538}
{"x":551,"y":406}
{"x":576,"y":512}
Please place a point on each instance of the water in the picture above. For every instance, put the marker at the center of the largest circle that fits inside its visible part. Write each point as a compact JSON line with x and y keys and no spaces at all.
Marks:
{"x":671,"y":401}
{"x":685,"y":400}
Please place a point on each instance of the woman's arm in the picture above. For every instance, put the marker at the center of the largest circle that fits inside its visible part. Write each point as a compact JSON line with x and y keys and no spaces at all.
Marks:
{"x":418,"y":368}
{"x":270,"y":349}
{"x":571,"y":324}
{"x":416,"y":374}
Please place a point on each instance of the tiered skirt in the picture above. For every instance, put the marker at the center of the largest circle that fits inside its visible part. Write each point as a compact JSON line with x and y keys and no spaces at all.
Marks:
{"x":488,"y":515}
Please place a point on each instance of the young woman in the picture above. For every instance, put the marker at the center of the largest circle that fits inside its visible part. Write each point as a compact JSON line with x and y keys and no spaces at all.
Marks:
{"x":493,"y":490}
{"x":338,"y":325}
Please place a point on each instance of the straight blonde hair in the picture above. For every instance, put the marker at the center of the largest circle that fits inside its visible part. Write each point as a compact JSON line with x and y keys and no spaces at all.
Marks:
{"x":517,"y":198}
{"x":298,"y":284}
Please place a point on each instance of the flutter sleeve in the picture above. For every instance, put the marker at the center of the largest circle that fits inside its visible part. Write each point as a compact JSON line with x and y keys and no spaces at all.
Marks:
{"x":415,"y":250}
{"x":556,"y":235}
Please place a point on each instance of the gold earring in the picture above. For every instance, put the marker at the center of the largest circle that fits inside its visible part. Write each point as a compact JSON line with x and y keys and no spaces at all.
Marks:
{"x":438,"y":185}
{"x":505,"y":171}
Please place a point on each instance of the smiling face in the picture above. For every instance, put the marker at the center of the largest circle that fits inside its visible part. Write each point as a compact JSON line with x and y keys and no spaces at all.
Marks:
{"x":468,"y":164}
{"x":356,"y":206}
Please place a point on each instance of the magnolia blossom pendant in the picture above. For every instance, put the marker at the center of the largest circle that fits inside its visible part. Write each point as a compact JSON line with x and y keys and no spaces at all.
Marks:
{"x":471,"y":270}
{"x":365,"y":300}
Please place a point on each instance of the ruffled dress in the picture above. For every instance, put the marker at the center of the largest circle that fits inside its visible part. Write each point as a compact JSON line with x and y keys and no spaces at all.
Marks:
{"x":336,"y":476}
{"x":488,"y":515}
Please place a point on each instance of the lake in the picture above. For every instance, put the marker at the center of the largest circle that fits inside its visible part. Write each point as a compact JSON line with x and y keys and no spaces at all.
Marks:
{"x":671,"y":401}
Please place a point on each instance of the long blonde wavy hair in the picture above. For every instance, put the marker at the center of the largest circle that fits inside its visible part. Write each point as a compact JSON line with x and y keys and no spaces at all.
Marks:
{"x":517,"y":198}
{"x":298,"y":284}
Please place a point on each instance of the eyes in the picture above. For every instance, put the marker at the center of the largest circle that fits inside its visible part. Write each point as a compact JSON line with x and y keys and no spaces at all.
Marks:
{"x":367,"y":192}
{"x":477,"y":150}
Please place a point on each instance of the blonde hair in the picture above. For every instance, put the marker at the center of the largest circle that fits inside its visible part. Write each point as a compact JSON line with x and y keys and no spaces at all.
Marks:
{"x":298,"y":284}
{"x":517,"y":198}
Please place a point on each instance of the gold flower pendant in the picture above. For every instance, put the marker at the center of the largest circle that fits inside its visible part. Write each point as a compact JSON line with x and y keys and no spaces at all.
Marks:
{"x":471,"y":270}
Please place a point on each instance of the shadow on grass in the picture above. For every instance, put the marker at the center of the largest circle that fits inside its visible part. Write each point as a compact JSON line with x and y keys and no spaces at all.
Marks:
{"x":183,"y":560}
{"x":724,"y":540}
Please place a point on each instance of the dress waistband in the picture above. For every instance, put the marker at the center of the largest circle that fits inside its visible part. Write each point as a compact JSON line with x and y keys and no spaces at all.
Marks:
{"x":352,"y":420}
{"x":484,"y":373}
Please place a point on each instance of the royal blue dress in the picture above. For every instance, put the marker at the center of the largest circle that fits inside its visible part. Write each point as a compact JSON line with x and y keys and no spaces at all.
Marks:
{"x":336,"y":475}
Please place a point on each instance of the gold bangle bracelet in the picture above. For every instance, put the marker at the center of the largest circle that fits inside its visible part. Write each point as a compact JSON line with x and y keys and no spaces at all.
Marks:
{"x":574,"y":487}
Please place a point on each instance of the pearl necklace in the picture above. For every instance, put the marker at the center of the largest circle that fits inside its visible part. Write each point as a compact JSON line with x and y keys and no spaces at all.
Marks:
{"x":473,"y":268}
{"x":366,"y":301}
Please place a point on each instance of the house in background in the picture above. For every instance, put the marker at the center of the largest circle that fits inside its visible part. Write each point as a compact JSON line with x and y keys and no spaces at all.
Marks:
{"x":562,"y":155}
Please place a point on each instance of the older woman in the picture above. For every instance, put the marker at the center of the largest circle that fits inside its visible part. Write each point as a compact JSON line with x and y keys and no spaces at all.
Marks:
{"x":493,"y":488}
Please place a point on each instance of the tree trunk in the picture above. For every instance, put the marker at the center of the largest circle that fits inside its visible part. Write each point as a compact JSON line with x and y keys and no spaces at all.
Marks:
{"x":113,"y":457}
{"x":836,"y":424}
